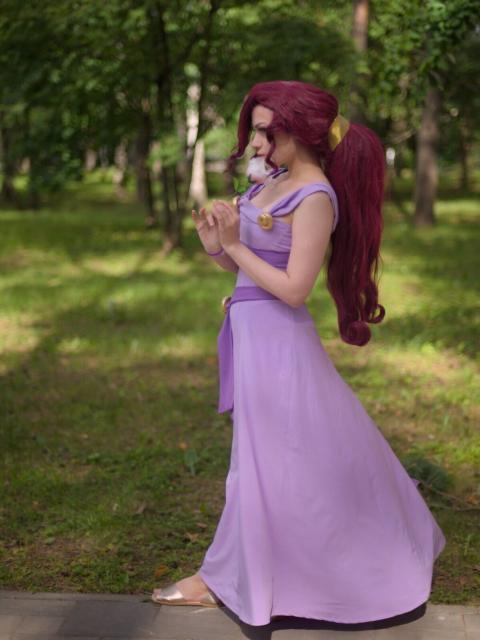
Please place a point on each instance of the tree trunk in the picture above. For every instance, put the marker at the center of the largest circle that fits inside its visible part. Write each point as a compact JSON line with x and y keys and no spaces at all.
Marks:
{"x":167,"y":209}
{"x":195,"y":151}
{"x":90,"y":160}
{"x":120,"y":172}
{"x":465,"y":137}
{"x":167,"y":66}
{"x":33,"y":195}
{"x":360,"y":40}
{"x":426,"y":176}
{"x":8,"y":193}
{"x":142,"y":170}
{"x":198,"y":185}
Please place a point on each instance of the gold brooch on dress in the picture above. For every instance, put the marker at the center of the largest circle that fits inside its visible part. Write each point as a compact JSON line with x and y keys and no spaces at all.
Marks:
{"x":265,"y":220}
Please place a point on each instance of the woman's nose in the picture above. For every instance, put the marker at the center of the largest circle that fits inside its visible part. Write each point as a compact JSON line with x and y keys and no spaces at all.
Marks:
{"x":256,"y":141}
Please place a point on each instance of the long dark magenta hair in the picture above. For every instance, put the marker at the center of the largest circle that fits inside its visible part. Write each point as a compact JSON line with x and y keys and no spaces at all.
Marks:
{"x":356,"y":171}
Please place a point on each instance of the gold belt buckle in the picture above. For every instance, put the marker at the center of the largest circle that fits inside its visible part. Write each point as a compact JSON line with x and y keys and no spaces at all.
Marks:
{"x":225,"y":302}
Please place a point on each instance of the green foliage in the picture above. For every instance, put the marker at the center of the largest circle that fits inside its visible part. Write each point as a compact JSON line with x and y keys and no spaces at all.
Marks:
{"x":82,"y":76}
{"x":215,"y":184}
{"x":241,"y":184}
{"x":413,"y":44}
{"x":169,"y":151}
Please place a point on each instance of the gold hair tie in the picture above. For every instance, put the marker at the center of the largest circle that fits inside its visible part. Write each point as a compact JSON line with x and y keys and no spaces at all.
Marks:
{"x":337,"y":131}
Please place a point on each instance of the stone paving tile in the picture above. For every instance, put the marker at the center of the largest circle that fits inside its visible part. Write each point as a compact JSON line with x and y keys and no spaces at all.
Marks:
{"x":8,"y":623}
{"x":198,"y":623}
{"x":224,"y":624}
{"x":35,"y":607}
{"x":439,"y":619}
{"x":305,"y":629}
{"x":35,"y":616}
{"x":472,"y":625}
{"x":48,"y":595}
{"x":102,"y":618}
{"x":419,"y":634}
{"x":39,"y":625}
{"x":22,"y":636}
{"x":319,"y":634}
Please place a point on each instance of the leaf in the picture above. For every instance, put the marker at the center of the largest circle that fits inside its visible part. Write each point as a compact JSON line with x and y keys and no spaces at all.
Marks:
{"x":193,"y":537}
{"x":241,"y":184}
{"x":161,"y":570}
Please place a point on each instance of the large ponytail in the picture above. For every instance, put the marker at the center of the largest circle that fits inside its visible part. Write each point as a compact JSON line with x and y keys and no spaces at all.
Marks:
{"x":356,"y":169}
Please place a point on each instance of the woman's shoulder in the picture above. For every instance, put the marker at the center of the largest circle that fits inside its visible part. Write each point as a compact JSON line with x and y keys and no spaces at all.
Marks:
{"x":312,"y":179}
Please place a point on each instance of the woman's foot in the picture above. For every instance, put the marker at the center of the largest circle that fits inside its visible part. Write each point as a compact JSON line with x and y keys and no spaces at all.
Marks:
{"x":191,"y":590}
{"x":192,"y":587}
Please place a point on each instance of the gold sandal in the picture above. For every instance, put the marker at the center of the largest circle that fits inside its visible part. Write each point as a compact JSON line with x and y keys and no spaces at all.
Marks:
{"x":172,"y":595}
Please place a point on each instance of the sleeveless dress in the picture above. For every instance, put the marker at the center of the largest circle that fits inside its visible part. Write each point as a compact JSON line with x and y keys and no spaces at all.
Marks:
{"x":321,"y":520}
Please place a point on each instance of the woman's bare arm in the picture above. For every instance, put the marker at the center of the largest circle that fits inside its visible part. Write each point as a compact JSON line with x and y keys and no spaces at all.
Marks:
{"x":311,"y":228}
{"x":226,"y":262}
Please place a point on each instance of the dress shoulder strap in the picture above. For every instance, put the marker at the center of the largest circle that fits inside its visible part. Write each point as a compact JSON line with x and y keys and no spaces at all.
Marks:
{"x":251,"y":190}
{"x":292,"y":200}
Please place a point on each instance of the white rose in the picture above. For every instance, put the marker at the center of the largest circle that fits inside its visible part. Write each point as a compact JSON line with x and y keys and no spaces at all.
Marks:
{"x":257,"y":169}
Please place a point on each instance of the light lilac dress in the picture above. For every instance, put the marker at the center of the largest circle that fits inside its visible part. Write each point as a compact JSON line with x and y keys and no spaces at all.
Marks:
{"x":321,"y":520}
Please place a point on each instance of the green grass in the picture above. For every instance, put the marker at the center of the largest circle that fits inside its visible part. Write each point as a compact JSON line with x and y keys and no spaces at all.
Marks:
{"x":115,"y":457}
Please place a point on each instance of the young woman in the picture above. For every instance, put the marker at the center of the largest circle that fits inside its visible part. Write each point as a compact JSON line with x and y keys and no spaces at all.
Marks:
{"x":321,"y":520}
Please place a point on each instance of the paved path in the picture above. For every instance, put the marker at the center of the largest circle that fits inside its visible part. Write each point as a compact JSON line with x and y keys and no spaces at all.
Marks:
{"x":56,"y":616}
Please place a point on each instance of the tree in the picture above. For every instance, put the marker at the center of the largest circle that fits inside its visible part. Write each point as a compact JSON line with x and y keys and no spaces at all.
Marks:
{"x":412,"y":61}
{"x":360,"y":39}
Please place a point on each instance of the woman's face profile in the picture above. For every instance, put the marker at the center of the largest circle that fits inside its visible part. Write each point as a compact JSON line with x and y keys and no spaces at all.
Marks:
{"x":284,"y":144}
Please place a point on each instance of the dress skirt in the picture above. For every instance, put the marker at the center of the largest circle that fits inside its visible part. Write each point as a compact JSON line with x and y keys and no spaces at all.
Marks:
{"x":321,"y":520}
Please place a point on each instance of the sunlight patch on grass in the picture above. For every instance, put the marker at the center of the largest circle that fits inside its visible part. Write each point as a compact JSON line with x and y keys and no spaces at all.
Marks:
{"x":184,"y":346}
{"x":75,"y":344}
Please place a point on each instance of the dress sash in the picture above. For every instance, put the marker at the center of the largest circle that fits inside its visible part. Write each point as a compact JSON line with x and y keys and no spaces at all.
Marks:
{"x":277,"y":259}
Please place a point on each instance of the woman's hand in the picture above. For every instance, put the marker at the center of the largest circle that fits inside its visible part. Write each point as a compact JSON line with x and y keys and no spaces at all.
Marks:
{"x":207,"y":230}
{"x":228,"y":223}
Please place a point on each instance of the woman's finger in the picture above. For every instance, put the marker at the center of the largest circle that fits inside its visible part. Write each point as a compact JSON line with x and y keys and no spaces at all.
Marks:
{"x":197,"y":219}
{"x":207,"y":216}
{"x":219,"y":209}
{"x":218,"y":217}
{"x":216,"y":212}
{"x":224,"y":208}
